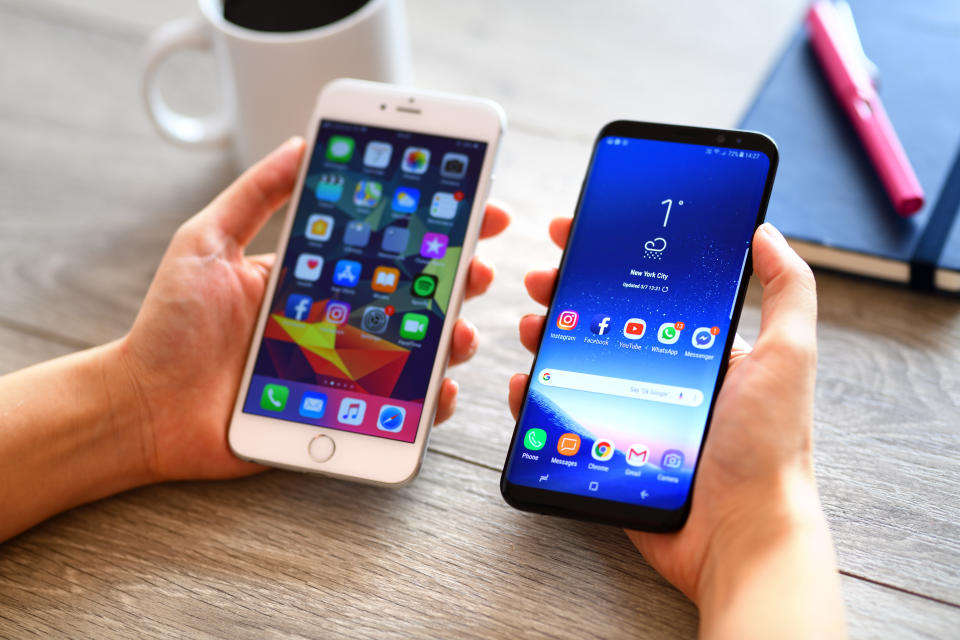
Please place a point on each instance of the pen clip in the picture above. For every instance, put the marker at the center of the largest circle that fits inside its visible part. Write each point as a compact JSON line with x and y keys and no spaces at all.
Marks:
{"x":845,"y":13}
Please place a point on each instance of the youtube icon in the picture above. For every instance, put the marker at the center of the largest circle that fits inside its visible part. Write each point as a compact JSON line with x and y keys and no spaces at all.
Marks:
{"x":634,"y":329}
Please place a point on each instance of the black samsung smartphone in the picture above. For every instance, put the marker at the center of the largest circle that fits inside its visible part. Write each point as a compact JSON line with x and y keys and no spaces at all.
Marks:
{"x":640,"y":326}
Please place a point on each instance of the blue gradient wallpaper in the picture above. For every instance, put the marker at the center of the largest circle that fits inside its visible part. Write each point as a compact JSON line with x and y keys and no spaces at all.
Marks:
{"x":643,"y":308}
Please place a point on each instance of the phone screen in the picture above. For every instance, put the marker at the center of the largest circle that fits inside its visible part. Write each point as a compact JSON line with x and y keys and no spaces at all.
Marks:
{"x":366,"y":279}
{"x":624,"y":379}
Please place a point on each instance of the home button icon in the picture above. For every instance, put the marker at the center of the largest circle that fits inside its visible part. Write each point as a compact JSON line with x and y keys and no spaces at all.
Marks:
{"x":321,"y":448}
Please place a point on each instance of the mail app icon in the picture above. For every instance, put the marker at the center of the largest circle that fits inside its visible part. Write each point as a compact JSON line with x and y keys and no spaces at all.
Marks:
{"x":313,"y":404}
{"x":637,"y":455}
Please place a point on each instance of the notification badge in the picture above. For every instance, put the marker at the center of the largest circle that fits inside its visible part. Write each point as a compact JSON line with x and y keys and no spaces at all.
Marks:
{"x":567,"y":320}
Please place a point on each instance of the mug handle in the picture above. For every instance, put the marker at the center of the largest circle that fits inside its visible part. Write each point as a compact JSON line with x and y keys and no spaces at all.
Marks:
{"x":210,"y":130}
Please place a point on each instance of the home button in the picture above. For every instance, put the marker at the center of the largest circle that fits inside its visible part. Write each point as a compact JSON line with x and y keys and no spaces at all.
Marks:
{"x":321,"y":448}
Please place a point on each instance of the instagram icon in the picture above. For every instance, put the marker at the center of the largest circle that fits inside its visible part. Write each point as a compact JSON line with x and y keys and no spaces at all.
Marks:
{"x":337,"y":312}
{"x":567,"y":319}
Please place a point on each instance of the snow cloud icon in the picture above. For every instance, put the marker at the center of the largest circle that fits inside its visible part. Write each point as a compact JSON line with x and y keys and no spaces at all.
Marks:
{"x":656,"y":245}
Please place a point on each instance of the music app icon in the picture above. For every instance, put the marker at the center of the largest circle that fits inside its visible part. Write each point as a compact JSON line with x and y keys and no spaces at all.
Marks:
{"x":351,"y":411}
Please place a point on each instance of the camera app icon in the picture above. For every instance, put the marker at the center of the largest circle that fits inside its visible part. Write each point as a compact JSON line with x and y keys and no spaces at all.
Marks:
{"x":453,"y":165}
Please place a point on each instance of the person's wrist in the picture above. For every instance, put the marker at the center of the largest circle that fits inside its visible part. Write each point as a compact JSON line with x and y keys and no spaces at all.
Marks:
{"x":764,"y":519}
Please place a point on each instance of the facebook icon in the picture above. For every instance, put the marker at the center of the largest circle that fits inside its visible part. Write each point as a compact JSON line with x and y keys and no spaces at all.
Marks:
{"x":298,"y":306}
{"x":600,"y":324}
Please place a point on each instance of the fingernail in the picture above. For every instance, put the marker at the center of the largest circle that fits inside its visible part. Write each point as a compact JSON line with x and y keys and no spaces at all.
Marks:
{"x":772,"y":231}
{"x":294,"y":142}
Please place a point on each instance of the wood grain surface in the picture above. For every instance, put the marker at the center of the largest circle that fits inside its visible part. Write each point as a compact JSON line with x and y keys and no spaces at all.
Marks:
{"x":89,"y":196}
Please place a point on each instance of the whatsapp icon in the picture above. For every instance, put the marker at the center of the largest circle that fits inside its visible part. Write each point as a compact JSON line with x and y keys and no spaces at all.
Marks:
{"x":669,"y":333}
{"x":535,"y":439}
{"x":424,"y":285}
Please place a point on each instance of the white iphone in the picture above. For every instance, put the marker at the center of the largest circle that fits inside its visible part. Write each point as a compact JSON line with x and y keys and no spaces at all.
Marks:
{"x":352,"y":340}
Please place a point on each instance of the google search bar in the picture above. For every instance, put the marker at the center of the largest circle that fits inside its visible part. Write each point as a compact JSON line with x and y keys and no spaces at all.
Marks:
{"x":622,"y":387}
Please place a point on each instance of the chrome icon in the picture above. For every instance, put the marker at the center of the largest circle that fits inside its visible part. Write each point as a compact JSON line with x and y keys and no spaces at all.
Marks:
{"x":602,"y":450}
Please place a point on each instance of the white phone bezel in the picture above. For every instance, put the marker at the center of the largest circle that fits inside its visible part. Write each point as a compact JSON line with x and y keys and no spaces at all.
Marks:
{"x":362,"y":457}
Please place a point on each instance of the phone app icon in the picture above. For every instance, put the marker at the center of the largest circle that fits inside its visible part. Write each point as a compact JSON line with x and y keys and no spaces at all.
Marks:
{"x":413,"y":326}
{"x":568,"y":444}
{"x":375,"y":320}
{"x":415,"y":160}
{"x":337,"y":312}
{"x":535,"y":439}
{"x":669,"y":332}
{"x":424,"y":285}
{"x":444,"y":205}
{"x":453,"y":165}
{"x":357,"y":234}
{"x":638,"y":455}
{"x":319,"y":227}
{"x":600,"y":325}
{"x":340,"y":149}
{"x":634,"y":329}
{"x":434,"y":245}
{"x":274,"y":397}
{"x":313,"y":404}
{"x":385,"y":279}
{"x":405,"y":200}
{"x":703,"y":337}
{"x":672,"y":459}
{"x":567,"y":320}
{"x":367,"y":193}
{"x":308,"y":267}
{"x":602,"y":450}
{"x":395,"y":239}
{"x":329,"y":187}
{"x":351,"y":411}
{"x":298,"y":306}
{"x":377,"y":154}
{"x":391,"y":418}
{"x":347,"y":273}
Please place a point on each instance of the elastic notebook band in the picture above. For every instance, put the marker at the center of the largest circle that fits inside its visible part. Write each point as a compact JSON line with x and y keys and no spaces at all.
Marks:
{"x":926,"y":258}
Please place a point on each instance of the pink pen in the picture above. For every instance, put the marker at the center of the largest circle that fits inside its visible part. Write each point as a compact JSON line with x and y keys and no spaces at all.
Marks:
{"x":846,"y":70}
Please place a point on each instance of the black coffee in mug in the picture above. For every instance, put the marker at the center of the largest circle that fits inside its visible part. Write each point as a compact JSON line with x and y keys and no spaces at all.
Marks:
{"x":288,"y":15}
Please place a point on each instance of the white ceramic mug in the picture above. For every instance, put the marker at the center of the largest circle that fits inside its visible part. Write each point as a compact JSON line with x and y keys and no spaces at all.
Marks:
{"x":270,"y":80}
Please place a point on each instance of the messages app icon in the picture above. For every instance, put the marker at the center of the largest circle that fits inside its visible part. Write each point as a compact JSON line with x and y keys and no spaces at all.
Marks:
{"x":535,"y":439}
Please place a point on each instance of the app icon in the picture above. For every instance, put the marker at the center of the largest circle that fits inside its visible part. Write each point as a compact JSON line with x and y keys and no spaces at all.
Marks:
{"x":385,"y":279}
{"x":669,"y":332}
{"x":600,"y":325}
{"x":672,"y":459}
{"x":274,"y":397}
{"x":634,"y":329}
{"x":424,"y":285}
{"x":351,"y":411}
{"x":377,"y":154}
{"x":337,"y":312}
{"x":367,"y":193}
{"x":357,"y":234}
{"x":415,"y":160}
{"x":567,"y":320}
{"x":545,"y":376}
{"x":340,"y":149}
{"x":308,"y":267}
{"x":602,"y":450}
{"x":453,"y":165}
{"x":405,"y":200}
{"x":375,"y":320}
{"x":637,"y":455}
{"x":414,"y":326}
{"x":391,"y":418}
{"x":298,"y":306}
{"x":434,"y":245}
{"x":347,"y":273}
{"x":535,"y":439}
{"x":329,"y":187}
{"x":313,"y":404}
{"x":568,"y":444}
{"x":319,"y":227}
{"x":444,"y":205}
{"x":703,"y":337}
{"x":395,"y":239}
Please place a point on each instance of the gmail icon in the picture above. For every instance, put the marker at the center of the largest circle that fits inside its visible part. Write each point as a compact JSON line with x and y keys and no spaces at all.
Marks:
{"x":637,"y":455}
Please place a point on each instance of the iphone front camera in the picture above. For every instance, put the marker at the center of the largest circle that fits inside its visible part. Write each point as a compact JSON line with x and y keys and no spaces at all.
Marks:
{"x":721,"y":138}
{"x":383,"y":105}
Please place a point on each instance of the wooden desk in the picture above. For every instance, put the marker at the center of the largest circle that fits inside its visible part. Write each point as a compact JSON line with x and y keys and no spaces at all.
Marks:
{"x":90,"y":196}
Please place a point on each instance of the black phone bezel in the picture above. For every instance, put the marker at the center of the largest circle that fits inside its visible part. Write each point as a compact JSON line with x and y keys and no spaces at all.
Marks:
{"x":611,"y":512}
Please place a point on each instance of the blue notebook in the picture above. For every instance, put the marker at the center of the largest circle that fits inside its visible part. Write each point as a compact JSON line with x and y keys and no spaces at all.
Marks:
{"x":828,"y":198}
